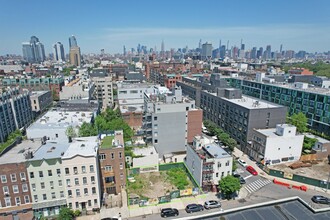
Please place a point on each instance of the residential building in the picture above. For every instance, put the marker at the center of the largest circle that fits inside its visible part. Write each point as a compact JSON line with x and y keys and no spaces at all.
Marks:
{"x":103,"y":90}
{"x":78,"y":88}
{"x":14,"y":181}
{"x":33,"y":51}
{"x":313,"y":102}
{"x":40,"y":101}
{"x":169,"y":114}
{"x":75,"y":56}
{"x":300,"y":71}
{"x":321,"y":147}
{"x":80,"y":169}
{"x":46,"y":178}
{"x":208,"y":162}
{"x":16,"y":112}
{"x":276,"y":145}
{"x":112,"y":162}
{"x":59,"y":54}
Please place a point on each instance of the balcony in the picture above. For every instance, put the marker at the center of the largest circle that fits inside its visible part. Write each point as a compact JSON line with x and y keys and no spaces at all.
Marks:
{"x":208,"y":171}
{"x":208,"y":162}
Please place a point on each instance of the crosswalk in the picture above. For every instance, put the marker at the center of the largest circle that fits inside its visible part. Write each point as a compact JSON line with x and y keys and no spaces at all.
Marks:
{"x":256,"y":185}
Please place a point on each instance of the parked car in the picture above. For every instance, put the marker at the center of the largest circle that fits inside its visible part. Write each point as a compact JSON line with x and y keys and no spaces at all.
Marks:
{"x":321,"y":199}
{"x":167,"y":212}
{"x":252,"y":170}
{"x":242,"y":180}
{"x":212,"y":204}
{"x":194,"y":208}
{"x":242,"y":162}
{"x":235,"y":174}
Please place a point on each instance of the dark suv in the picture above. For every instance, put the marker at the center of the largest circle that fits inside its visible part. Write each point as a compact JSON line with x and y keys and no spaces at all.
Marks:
{"x":194,"y":208}
{"x":169,"y":212}
{"x":321,"y":199}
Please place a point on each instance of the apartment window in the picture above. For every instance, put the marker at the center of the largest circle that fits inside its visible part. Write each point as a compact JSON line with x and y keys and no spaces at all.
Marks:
{"x":93,"y":179}
{"x":109,"y":179}
{"x":7,"y":202}
{"x":56,"y":135}
{"x":219,"y":164}
{"x":112,"y":156}
{"x":3,"y":178}
{"x":227,"y":163}
{"x":155,"y":126}
{"x":89,"y":202}
{"x":15,"y":189}
{"x":121,"y":166}
{"x":25,"y":187}
{"x":13,"y":177}
{"x":60,"y":183}
{"x":44,"y":196}
{"x":58,"y":171}
{"x":5,"y":190}
{"x":102,"y":157}
{"x":84,"y":180}
{"x":33,"y":186}
{"x":121,"y":176}
{"x":155,"y":118}
{"x":70,"y":205}
{"x":42,"y":184}
{"x":95,"y":201}
{"x":62,"y":194}
{"x":75,"y":170}
{"x":108,"y":168}
{"x":53,"y":195}
{"x":41,"y":174}
{"x":67,"y":171}
{"x":50,"y":173}
{"x":93,"y":190}
{"x":35,"y":197}
{"x":51,"y":183}
{"x":222,"y":174}
{"x":17,"y":200}
{"x":27,"y":199}
{"x":22,"y":175}
{"x":68,"y":182}
{"x":91,"y":168}
{"x":217,"y":175}
{"x":31,"y":175}
{"x":76,"y":181}
{"x":70,"y":193}
{"x":120,"y":155}
{"x":77,"y":205}
{"x":85,"y":191}
{"x":77,"y":192}
{"x":156,"y":141}
{"x":83,"y":169}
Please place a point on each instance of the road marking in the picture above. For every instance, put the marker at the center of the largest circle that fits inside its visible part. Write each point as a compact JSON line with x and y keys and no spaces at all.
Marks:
{"x":256,"y":185}
{"x":247,"y":177}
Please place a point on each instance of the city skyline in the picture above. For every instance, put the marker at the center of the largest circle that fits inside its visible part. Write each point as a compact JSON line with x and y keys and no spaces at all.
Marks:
{"x":258,"y":25}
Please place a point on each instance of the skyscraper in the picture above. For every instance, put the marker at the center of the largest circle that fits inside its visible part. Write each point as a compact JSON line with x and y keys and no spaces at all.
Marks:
{"x":124,"y":50}
{"x":162,"y":50}
{"x":59,"y":52}
{"x":254,"y":53}
{"x":268,"y":52}
{"x":33,"y":51}
{"x":72,"y":42}
{"x":206,"y":51}
{"x":75,"y":58}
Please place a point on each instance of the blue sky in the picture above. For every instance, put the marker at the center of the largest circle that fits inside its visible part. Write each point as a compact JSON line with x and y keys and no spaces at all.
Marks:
{"x":298,"y":25}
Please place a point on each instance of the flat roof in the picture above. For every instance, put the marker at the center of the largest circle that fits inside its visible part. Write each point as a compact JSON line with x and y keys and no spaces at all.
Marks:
{"x":145,"y":151}
{"x":54,"y":119}
{"x":216,"y":151}
{"x":83,"y":146}
{"x":319,"y":139}
{"x":51,"y":150}
{"x":38,"y":93}
{"x":17,"y":153}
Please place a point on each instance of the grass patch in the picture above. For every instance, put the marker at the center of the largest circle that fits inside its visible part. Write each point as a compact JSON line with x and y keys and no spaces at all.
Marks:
{"x":107,"y":142}
{"x":178,"y":177}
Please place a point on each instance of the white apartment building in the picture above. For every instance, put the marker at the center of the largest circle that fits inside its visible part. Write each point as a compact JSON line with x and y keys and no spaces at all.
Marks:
{"x":78,"y":89}
{"x":208,"y":162}
{"x":276,"y":145}
{"x":103,"y":90}
{"x":81,"y":174}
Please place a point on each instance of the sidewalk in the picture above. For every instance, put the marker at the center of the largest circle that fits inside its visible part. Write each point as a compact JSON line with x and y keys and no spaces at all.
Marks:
{"x":238,"y":153}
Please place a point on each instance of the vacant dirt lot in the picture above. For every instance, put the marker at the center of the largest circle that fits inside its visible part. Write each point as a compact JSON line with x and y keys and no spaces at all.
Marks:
{"x":317,"y":171}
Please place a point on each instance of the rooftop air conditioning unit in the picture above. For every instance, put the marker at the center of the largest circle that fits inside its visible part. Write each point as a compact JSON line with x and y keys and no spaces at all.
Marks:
{"x":6,"y":193}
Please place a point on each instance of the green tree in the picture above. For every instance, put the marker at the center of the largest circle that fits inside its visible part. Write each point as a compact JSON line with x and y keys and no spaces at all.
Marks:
{"x":234,"y":166}
{"x":300,"y":121}
{"x":228,"y":185}
{"x":70,"y":132}
{"x":231,"y":143}
{"x":76,"y":213}
{"x":87,"y":129}
{"x":309,"y":143}
{"x":66,"y":214}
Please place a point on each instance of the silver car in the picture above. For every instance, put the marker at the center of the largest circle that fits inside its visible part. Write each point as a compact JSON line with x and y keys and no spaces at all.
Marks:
{"x":212,"y":204}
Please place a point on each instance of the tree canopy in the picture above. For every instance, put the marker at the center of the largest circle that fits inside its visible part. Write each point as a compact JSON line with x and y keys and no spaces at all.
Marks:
{"x":319,"y":68}
{"x":300,"y":121}
{"x":66,"y":214}
{"x":228,"y":185}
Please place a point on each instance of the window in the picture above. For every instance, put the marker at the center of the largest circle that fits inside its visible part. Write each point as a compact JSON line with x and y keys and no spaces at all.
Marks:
{"x":7,"y":202}
{"x":120,"y":155}
{"x":17,"y":201}
{"x":93,"y":190}
{"x":44,"y":196}
{"x":41,"y":174}
{"x":89,"y":202}
{"x":33,"y":186}
{"x":22,"y":175}
{"x":70,"y":205}
{"x":102,"y":157}
{"x":85,"y":191}
{"x":53,"y":195}
{"x":77,"y":192}
{"x":58,"y":171}
{"x":227,"y":163}
{"x":50,"y":173}
{"x":56,"y":135}
{"x":62,"y":194}
{"x":15,"y":189}
{"x":121,"y":176}
{"x":83,"y":169}
{"x":91,"y":168}
{"x":35,"y":197}
{"x":95,"y":201}
{"x":25,"y":187}
{"x":109,"y":179}
{"x":76,"y":181}
{"x":26,"y":199}
{"x":84,"y":180}
{"x":68,"y":182}
{"x":112,"y":156}
{"x":42,"y":184}
{"x":108,"y":168}
{"x":219,"y":164}
{"x":31,"y":175}
{"x":121,"y":166}
{"x":70,"y":193}
{"x":156,"y":141}
{"x":51,"y":183}
{"x":222,"y":174}
{"x":67,"y":171}
{"x":13,"y":177}
{"x":5,"y":190}
{"x":93,"y":179}
{"x":155,"y":118}
{"x":75,"y":170}
{"x":3,"y":178}
{"x":217,"y":175}
{"x":77,"y":205}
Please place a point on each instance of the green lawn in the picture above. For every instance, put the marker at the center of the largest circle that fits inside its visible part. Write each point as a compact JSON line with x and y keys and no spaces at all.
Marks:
{"x":107,"y":142}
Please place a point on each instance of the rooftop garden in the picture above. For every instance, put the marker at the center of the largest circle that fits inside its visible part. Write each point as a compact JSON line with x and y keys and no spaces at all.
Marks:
{"x":107,"y":142}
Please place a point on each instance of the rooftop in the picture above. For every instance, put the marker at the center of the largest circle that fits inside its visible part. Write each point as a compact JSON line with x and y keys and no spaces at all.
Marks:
{"x":18,"y":153}
{"x":107,"y":142}
{"x":145,"y":151}
{"x":83,"y":146}
{"x":212,"y":150}
{"x":51,"y":150}
{"x":37,"y":93}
